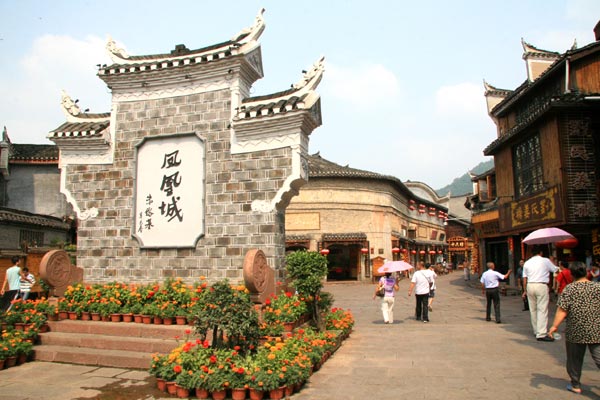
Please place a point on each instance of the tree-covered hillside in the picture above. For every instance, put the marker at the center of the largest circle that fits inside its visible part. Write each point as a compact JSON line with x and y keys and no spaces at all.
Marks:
{"x":463,"y":185}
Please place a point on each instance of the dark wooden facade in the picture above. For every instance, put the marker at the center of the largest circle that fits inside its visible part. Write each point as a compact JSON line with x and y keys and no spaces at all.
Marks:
{"x":547,"y":157}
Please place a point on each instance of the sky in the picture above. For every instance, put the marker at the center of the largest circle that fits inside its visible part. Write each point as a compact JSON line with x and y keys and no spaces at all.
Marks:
{"x":402,"y":93}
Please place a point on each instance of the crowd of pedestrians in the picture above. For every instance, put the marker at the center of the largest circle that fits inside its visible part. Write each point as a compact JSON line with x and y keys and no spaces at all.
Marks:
{"x":575,"y":285}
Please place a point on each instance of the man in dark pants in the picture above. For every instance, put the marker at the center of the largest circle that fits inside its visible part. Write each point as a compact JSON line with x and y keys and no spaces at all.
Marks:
{"x":490,"y":280}
{"x":420,"y":283}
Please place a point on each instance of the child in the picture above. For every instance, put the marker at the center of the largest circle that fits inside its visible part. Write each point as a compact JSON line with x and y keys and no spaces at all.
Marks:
{"x":27,"y":281}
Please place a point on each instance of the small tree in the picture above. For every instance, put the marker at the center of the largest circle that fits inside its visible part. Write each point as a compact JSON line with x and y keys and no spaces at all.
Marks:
{"x":306,"y":270}
{"x":228,"y":314}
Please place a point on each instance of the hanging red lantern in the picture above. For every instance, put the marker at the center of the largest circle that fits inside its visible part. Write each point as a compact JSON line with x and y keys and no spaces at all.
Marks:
{"x":431,"y":251}
{"x":421,"y":251}
{"x":405,"y":250}
{"x":413,"y":252}
{"x":364,"y":250}
{"x":440,"y":252}
{"x":396,"y":250}
{"x":411,"y":208}
{"x":567,"y":243}
{"x":324,"y":252}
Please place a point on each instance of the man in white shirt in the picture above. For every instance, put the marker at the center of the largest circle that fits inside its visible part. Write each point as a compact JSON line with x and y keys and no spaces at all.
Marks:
{"x":536,"y":276}
{"x":490,"y":280}
{"x":420,"y":282}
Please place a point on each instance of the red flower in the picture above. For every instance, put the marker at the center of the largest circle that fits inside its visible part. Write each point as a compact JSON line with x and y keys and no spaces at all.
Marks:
{"x":288,"y":294}
{"x":268,"y":301}
{"x":177,"y":369}
{"x":213,"y":359}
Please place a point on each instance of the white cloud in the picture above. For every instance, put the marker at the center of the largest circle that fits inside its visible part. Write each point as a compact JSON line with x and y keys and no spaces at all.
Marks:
{"x":367,"y":85}
{"x":53,"y":63}
{"x":460,"y":100}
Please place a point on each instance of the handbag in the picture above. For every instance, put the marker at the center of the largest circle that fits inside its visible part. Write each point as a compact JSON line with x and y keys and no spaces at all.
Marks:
{"x":380,"y":292}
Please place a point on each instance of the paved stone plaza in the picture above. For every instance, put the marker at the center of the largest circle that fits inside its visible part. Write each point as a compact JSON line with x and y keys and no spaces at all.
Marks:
{"x":458,"y":355}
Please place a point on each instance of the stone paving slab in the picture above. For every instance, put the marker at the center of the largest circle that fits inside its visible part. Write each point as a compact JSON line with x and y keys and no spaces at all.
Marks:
{"x":458,"y":355}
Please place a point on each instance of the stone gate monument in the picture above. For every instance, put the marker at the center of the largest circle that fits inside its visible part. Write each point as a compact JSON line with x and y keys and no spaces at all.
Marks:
{"x":187,"y":172}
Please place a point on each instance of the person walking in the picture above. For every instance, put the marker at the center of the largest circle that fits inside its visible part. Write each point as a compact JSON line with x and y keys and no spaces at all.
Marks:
{"x":420,"y":283}
{"x":520,"y":284}
{"x":27,"y":281}
{"x":536,"y":276}
{"x":466,"y":271}
{"x":432,"y":288}
{"x":579,"y":304}
{"x":13,"y":278}
{"x":390,"y":286}
{"x":563,"y":278}
{"x":490,"y":280}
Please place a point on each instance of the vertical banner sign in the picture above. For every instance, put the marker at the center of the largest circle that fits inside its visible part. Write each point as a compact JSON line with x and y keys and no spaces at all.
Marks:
{"x":169,"y":191}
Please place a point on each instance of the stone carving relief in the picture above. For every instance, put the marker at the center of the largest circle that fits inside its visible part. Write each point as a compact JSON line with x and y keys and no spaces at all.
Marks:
{"x":259,"y":277}
{"x":57,"y":271}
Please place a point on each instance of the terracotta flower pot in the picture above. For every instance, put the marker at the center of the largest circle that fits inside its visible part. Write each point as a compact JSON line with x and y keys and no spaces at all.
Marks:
{"x":96,"y":316}
{"x":182,"y":393}
{"x":276,"y":394}
{"x":137,"y":318}
{"x":202,"y":393}
{"x":157,"y":320}
{"x":171,"y":388}
{"x":219,"y":394}
{"x":161,"y":384}
{"x":72,"y":315}
{"x":147,"y":319}
{"x":2,"y":364}
{"x":127,"y":317}
{"x":10,"y":361}
{"x":167,"y":320}
{"x":238,"y":394}
{"x":63,"y":315}
{"x":289,"y":390}
{"x":86,"y":316}
{"x":180,"y":320}
{"x":115,"y":317}
{"x":256,"y":394}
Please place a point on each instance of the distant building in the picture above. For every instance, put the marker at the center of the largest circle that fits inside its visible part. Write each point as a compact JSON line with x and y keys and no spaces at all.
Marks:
{"x":361,"y":218}
{"x":33,"y":212}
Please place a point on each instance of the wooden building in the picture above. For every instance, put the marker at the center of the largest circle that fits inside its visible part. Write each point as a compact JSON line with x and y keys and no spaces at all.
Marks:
{"x":546,"y":154}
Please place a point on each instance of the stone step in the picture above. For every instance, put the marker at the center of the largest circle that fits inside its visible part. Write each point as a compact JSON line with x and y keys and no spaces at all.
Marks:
{"x":108,"y":342}
{"x":128,"y":329}
{"x":90,"y":356}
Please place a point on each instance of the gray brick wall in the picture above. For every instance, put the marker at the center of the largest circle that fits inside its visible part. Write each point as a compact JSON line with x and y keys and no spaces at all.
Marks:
{"x":106,"y":249}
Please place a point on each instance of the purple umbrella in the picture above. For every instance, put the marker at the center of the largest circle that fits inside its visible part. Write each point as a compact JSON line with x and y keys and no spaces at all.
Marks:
{"x":394,"y":266}
{"x":547,"y":235}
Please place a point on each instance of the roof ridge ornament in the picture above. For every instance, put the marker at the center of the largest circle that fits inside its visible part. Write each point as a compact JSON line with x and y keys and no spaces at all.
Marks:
{"x":312,"y":77}
{"x":116,"y":53}
{"x":70,"y":107}
{"x":251,"y":33}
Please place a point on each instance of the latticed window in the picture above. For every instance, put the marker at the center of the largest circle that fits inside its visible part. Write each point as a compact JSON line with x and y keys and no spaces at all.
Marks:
{"x":527,"y":158}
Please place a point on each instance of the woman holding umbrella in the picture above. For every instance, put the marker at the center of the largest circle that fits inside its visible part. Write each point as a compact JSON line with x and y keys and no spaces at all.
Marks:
{"x":390,"y":286}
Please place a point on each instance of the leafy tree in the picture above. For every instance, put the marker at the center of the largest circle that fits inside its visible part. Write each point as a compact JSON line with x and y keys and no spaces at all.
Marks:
{"x":307,"y":270}
{"x":228,"y":314}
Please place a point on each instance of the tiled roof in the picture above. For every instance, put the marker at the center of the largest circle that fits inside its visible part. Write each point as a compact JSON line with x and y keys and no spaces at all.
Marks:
{"x":181,"y":50}
{"x":270,"y":108}
{"x":562,"y":100}
{"x":344,"y":236}
{"x":319,"y":167}
{"x":526,"y":86}
{"x":79,"y":129}
{"x":9,"y":215}
{"x":34,"y":152}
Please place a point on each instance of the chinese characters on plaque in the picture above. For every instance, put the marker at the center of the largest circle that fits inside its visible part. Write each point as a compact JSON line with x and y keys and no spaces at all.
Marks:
{"x":170,"y":191}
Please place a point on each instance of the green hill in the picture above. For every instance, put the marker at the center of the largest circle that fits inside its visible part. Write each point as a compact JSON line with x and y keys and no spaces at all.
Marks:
{"x":463,"y":185}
